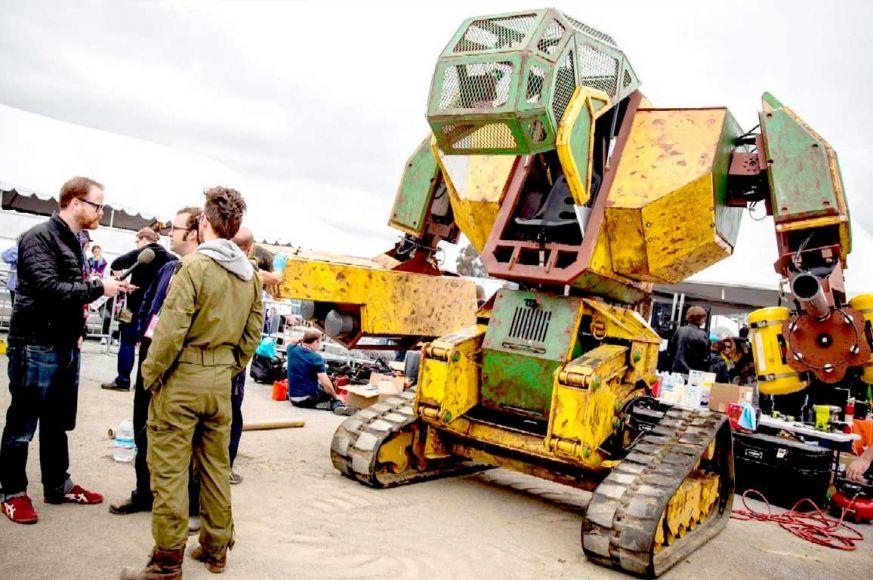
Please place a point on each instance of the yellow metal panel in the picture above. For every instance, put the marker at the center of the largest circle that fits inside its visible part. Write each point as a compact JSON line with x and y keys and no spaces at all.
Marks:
{"x":661,"y":210}
{"x":392,"y":303}
{"x":476,"y":186}
{"x":459,"y":372}
{"x":583,"y":412}
{"x":666,"y":149}
{"x":432,"y":381}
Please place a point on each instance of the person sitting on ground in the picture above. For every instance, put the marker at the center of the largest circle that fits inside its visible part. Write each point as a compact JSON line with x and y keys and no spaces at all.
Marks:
{"x":690,"y":345}
{"x":308,"y":383}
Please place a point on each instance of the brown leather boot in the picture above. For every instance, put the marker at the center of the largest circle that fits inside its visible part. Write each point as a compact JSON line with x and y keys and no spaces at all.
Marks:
{"x":163,"y":565}
{"x":215,"y":561}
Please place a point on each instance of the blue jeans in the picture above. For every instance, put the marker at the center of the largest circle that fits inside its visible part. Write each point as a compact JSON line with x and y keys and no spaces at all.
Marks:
{"x":44,"y":383}
{"x":126,"y":353}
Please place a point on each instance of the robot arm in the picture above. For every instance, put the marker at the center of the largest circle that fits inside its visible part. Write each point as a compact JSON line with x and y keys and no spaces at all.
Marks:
{"x":794,"y":172}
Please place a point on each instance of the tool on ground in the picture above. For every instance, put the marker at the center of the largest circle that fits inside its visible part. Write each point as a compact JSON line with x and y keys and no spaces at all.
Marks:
{"x":267,"y":425}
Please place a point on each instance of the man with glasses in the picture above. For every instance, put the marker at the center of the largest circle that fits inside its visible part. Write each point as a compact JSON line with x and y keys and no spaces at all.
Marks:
{"x":140,"y":280}
{"x":45,"y":335}
{"x":183,"y":242}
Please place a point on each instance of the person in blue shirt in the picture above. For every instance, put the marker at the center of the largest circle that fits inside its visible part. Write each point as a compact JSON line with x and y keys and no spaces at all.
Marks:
{"x":308,"y":383}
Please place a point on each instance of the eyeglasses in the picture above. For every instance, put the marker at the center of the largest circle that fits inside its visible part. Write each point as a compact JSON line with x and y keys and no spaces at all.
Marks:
{"x":96,"y":206}
{"x":174,"y":228}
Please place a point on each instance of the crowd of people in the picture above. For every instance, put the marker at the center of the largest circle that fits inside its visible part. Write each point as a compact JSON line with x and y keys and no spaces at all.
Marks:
{"x":190,"y":365}
{"x":690,"y":347}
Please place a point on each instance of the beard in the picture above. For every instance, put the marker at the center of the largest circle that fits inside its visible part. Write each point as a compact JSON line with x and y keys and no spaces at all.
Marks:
{"x":87,"y":223}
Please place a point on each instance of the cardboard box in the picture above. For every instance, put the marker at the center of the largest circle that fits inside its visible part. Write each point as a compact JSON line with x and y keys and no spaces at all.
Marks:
{"x":361,"y":396}
{"x":722,"y":394}
{"x":387,"y":384}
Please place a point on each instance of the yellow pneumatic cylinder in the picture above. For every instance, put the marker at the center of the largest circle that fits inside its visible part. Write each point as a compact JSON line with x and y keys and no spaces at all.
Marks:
{"x":775,"y":377}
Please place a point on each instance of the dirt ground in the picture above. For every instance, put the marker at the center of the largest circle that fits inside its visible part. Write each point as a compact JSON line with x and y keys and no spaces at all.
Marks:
{"x":296,"y":517}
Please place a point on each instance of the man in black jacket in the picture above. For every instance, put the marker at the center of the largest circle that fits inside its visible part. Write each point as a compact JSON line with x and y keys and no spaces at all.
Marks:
{"x":690,"y":346}
{"x":46,"y":332}
{"x":141,"y":279}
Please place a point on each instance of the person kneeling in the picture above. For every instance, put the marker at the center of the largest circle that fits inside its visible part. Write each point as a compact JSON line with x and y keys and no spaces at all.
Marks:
{"x":308,"y":384}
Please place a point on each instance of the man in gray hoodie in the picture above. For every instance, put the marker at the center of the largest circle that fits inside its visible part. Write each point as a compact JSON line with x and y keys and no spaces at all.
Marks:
{"x":207,"y":331}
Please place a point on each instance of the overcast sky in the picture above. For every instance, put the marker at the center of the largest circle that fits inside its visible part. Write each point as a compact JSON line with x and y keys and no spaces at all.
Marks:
{"x":319,"y":104}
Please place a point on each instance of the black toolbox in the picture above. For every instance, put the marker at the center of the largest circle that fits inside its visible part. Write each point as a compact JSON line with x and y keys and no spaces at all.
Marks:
{"x":784,"y":470}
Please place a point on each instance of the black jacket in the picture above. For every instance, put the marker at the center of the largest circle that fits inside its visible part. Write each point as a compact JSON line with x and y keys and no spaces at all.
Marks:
{"x":690,"y":348}
{"x":144,"y":274}
{"x":52,"y":292}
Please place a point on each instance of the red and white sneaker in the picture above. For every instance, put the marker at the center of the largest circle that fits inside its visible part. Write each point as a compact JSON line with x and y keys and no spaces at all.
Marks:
{"x":20,"y":510}
{"x":78,"y":495}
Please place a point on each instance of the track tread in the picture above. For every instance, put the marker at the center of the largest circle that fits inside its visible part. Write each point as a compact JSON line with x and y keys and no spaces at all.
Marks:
{"x":626,"y":508}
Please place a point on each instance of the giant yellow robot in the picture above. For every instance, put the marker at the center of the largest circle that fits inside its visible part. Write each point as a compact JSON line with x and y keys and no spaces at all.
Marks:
{"x":545,"y":154}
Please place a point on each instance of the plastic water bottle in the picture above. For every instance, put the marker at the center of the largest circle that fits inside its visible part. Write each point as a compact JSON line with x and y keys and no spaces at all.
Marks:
{"x":125,"y":448}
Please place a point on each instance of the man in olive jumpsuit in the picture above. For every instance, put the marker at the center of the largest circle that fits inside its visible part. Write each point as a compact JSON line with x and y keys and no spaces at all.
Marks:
{"x":206,"y":332}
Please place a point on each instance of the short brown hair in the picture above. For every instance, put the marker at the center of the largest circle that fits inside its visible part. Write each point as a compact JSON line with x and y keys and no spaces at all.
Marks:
{"x":194,"y":214}
{"x":224,"y":209}
{"x":76,"y":188}
{"x":149,"y":234}
{"x":695,"y":315}
{"x":310,"y":336}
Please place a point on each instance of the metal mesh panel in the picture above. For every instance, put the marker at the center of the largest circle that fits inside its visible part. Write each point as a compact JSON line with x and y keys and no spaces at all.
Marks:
{"x":565,"y":84}
{"x":495,"y":33}
{"x":626,"y":80}
{"x":534,"y":92}
{"x":592,"y":32}
{"x":464,"y":136}
{"x":551,"y":37}
{"x":476,"y":85}
{"x":599,"y":70}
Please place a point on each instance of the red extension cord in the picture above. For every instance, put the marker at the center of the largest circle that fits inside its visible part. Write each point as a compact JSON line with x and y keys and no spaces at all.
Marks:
{"x":814,"y":526}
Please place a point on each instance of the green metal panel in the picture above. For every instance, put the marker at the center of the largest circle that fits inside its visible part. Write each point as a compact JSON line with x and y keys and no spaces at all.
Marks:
{"x":727,"y":219}
{"x":415,"y":191}
{"x":530,"y":335}
{"x":800,"y":179}
{"x":518,"y":384}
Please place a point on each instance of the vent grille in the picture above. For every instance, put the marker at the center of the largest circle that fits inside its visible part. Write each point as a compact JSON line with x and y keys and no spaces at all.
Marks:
{"x":530,"y":324}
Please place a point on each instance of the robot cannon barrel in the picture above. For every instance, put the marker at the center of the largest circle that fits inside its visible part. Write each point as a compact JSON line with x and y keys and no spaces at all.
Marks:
{"x":809,"y":292}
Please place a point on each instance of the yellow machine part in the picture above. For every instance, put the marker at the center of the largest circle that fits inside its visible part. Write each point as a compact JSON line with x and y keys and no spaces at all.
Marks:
{"x":775,"y":377}
{"x":584,"y":398}
{"x":392,"y":303}
{"x":663,"y":212}
{"x":690,"y":505}
{"x":476,"y":185}
{"x":449,"y":374}
{"x":863,"y":304}
{"x":615,"y":322}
